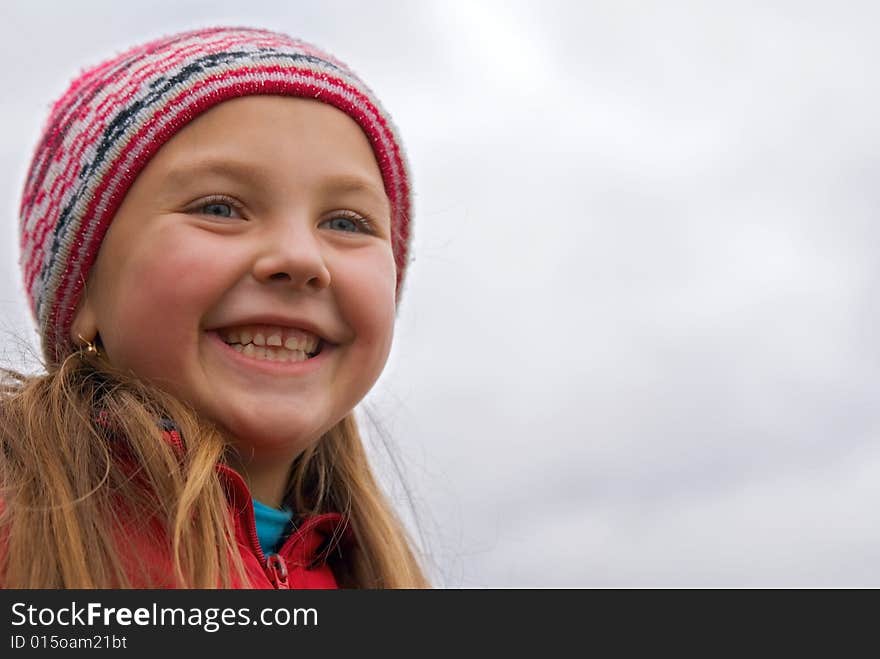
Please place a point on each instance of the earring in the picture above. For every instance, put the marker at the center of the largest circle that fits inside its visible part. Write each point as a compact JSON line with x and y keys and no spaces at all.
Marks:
{"x":91,"y":348}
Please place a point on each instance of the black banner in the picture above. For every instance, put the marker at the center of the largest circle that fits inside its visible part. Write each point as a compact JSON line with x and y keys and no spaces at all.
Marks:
{"x":39,"y":622}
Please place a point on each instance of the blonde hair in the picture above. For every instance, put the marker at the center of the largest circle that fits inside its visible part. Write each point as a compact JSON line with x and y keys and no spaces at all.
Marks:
{"x":72,"y":489}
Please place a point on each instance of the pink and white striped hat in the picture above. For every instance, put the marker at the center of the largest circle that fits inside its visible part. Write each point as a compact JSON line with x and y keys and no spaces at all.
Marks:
{"x":115,"y":116}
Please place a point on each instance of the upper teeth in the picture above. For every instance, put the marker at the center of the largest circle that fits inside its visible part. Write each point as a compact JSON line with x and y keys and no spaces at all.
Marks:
{"x":267,"y":335}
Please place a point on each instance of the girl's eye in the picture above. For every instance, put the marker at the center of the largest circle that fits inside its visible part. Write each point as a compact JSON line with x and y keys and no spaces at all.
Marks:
{"x":348,"y":218}
{"x":217,"y":207}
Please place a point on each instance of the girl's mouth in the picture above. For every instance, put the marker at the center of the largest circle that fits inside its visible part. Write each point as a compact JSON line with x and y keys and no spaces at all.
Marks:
{"x":272,"y":343}
{"x":276,"y":360}
{"x":274,"y":353}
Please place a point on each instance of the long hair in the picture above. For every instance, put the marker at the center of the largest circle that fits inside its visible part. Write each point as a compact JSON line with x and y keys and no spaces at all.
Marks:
{"x":74,"y":491}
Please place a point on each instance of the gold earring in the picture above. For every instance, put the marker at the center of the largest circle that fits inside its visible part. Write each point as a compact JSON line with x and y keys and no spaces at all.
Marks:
{"x":91,"y":348}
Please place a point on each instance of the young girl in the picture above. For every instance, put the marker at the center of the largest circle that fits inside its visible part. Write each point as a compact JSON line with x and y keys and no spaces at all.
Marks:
{"x":214,"y":236}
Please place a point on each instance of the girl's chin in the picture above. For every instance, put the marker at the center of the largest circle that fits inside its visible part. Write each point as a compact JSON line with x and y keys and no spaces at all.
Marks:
{"x":275,"y":439}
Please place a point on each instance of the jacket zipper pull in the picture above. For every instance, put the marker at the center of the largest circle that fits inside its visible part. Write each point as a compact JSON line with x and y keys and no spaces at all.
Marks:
{"x":277,"y":569}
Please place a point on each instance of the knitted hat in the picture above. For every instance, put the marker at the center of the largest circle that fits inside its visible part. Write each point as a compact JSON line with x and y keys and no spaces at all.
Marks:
{"x":115,"y":116}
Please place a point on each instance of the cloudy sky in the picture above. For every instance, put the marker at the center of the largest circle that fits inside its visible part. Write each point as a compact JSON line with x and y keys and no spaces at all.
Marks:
{"x":637,"y":344}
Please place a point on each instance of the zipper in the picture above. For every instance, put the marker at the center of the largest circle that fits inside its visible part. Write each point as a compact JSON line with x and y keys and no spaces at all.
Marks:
{"x":277,"y":569}
{"x":273,"y":565}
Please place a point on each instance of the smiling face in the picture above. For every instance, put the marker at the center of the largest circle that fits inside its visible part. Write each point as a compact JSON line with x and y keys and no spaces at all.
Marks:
{"x":252,"y":210}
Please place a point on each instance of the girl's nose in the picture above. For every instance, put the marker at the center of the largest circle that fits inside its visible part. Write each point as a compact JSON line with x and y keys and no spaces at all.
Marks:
{"x":292,"y":255}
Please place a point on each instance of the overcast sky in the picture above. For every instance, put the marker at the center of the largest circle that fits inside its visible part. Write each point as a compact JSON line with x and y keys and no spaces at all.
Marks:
{"x":637,"y":346}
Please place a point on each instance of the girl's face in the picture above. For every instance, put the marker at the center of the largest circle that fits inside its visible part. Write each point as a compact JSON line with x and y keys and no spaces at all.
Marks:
{"x":249,"y":216}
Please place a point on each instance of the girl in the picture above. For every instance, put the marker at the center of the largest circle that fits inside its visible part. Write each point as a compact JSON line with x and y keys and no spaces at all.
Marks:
{"x":214,"y":236}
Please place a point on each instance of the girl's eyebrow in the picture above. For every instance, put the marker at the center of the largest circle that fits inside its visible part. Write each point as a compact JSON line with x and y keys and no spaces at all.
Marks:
{"x":181,"y":175}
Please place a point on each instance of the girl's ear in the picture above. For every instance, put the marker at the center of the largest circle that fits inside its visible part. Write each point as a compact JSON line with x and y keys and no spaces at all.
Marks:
{"x":84,"y":322}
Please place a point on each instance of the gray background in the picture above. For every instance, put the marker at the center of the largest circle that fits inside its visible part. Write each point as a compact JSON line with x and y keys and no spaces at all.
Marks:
{"x":637,"y":345}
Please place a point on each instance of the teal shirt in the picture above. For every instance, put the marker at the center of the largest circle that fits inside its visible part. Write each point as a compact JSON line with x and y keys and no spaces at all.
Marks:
{"x":273,"y":526}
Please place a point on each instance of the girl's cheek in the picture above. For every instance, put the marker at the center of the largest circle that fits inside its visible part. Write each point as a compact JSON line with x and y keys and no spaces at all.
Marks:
{"x":161,"y":284}
{"x":365,"y":292}
{"x":376,"y":272}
